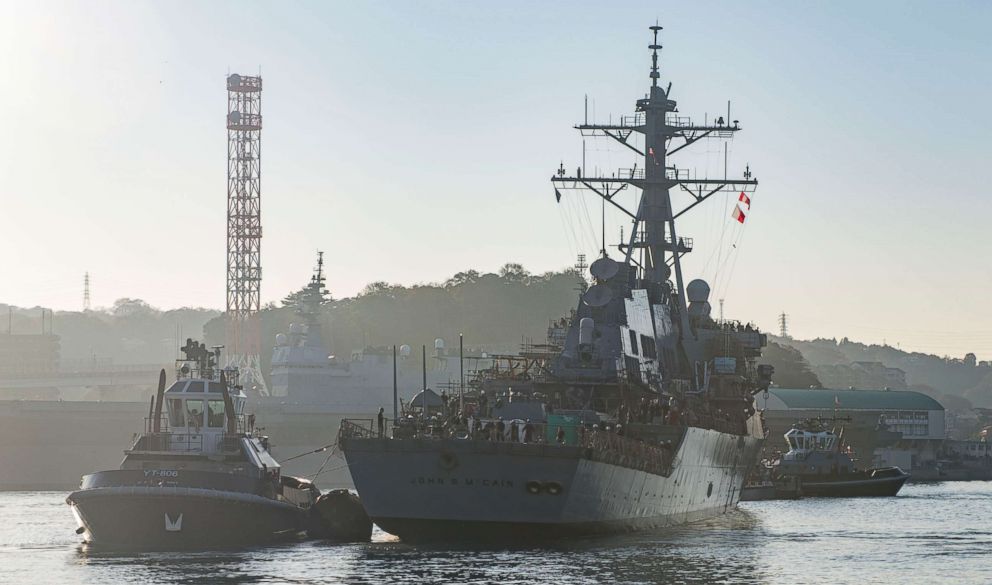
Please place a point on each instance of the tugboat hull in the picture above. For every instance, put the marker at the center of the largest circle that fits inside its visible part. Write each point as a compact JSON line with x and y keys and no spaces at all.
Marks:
{"x":172,"y":518}
{"x":881,"y":485}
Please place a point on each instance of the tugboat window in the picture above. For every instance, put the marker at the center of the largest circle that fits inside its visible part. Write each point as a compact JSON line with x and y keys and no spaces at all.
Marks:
{"x":195,"y":387}
{"x":194,"y":414}
{"x":176,"y":413}
{"x":215,"y":413}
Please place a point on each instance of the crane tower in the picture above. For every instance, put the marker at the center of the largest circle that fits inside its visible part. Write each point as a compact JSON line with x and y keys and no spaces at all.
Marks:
{"x":244,"y":227}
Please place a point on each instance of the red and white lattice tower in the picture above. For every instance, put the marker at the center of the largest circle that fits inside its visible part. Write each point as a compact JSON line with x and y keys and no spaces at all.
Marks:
{"x":244,"y":227}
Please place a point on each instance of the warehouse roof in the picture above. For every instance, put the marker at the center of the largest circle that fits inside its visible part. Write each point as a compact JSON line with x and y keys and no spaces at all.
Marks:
{"x":827,"y":399}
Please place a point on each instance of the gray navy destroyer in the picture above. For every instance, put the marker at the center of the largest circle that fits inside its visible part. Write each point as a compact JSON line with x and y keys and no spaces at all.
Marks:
{"x":640,"y":414}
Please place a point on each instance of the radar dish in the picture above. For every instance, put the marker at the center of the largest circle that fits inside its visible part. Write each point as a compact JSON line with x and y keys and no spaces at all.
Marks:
{"x":597,"y":295}
{"x":604,"y":268}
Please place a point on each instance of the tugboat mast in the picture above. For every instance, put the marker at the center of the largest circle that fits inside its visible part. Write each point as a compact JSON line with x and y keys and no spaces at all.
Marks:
{"x":665,"y":133}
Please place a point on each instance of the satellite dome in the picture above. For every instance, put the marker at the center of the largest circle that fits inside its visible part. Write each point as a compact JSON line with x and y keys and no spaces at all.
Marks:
{"x":234,"y":79}
{"x":604,"y":268}
{"x":697,"y":291}
{"x":438,"y":343}
{"x":597,"y":295}
{"x":281,"y":339}
{"x":234,"y":117}
{"x":700,"y":309}
{"x":404,"y":350}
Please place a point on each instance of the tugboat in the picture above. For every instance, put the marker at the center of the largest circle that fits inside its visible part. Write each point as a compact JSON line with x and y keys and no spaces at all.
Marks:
{"x":818,"y":459}
{"x":199,"y":477}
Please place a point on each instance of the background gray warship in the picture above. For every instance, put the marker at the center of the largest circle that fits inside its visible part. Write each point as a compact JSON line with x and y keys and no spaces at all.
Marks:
{"x":650,"y":408}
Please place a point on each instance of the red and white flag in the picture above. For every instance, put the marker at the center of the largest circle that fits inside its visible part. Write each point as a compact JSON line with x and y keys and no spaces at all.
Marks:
{"x":651,"y":154}
{"x":743,"y":204}
{"x":738,"y":214}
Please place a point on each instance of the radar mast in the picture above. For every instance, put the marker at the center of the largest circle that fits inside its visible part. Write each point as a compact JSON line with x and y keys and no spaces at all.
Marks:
{"x":654,"y":247}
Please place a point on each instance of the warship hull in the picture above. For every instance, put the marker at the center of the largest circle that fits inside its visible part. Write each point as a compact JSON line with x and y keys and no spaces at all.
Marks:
{"x":450,"y":489}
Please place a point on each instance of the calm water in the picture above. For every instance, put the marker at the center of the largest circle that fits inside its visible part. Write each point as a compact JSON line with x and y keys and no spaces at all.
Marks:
{"x":931,"y":534}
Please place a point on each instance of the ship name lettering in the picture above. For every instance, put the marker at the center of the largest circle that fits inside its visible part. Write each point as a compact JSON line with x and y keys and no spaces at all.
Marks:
{"x":464,"y":481}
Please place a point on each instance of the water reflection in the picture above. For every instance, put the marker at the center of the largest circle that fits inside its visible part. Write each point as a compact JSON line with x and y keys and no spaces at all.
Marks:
{"x":929,"y":534}
{"x":687,"y":554}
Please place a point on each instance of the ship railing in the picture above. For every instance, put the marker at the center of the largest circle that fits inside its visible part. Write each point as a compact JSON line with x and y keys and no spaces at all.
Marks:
{"x":599,"y":445}
{"x":358,"y":428}
{"x":619,"y":450}
{"x":245,"y":424}
{"x":169,"y":442}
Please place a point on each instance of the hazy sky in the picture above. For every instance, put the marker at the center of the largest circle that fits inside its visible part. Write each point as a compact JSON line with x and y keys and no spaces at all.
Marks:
{"x":412,"y":140}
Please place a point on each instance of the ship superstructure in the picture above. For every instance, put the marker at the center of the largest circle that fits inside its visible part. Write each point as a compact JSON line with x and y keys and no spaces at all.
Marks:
{"x":639,"y":326}
{"x":650,"y":419}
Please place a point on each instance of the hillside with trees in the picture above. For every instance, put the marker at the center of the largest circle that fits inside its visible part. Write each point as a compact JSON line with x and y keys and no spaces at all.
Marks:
{"x":495,"y":312}
{"x":955,"y":382}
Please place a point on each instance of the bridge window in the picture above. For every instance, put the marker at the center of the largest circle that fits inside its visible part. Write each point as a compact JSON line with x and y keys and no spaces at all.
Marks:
{"x":648,"y":347}
{"x":215,"y":413}
{"x":194,"y":414}
{"x":195,"y":387}
{"x":633,"y":341}
{"x":176,"y":413}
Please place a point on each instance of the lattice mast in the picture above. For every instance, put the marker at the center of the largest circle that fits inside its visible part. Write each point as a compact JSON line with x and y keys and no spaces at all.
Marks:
{"x":653,"y":245}
{"x":244,"y":227}
{"x":86,"y":292}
